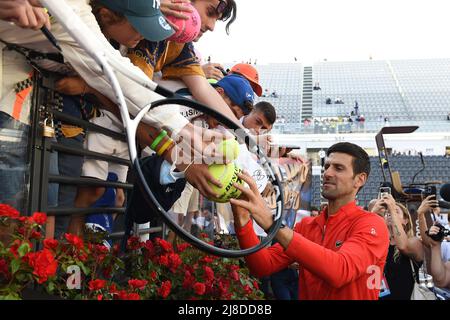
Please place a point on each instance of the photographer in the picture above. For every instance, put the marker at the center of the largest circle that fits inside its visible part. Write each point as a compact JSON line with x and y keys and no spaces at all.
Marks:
{"x":439,"y":268}
{"x":405,"y":250}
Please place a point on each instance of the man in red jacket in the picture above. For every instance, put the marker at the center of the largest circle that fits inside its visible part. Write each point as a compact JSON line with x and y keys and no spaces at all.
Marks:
{"x":341,"y":252}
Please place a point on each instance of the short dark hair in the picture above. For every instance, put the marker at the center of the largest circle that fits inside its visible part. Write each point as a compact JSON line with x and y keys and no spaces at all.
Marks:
{"x":229,"y":12}
{"x":361,"y":160}
{"x":96,"y":6}
{"x":314,"y":209}
{"x":268,"y":110}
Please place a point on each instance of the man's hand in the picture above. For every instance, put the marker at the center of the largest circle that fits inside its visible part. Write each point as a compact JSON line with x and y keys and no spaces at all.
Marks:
{"x":212,"y":71}
{"x":252,"y":201}
{"x":72,"y":86}
{"x":198,"y":176}
{"x":201,"y":143}
{"x":24,"y":13}
{"x":379,"y":208}
{"x":427,"y":204}
{"x":172,"y":8}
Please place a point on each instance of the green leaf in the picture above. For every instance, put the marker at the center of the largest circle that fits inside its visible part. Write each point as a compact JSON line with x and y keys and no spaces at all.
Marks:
{"x":86,"y":271}
{"x":23,"y":249}
{"x":15,"y":265}
{"x":50,"y":287}
{"x":11,"y":296}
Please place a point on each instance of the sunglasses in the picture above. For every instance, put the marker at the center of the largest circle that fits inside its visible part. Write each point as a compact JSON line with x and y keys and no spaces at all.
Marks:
{"x":221,"y":7}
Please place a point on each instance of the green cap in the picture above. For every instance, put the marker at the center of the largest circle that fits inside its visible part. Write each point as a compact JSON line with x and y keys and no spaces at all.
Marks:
{"x":144,"y":15}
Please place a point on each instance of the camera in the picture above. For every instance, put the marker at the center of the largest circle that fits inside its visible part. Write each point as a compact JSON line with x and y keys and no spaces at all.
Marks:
{"x":430,"y":191}
{"x":443,"y":232}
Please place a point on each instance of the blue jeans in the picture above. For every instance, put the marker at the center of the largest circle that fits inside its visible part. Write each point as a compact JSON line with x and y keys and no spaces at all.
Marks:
{"x":14,"y":163}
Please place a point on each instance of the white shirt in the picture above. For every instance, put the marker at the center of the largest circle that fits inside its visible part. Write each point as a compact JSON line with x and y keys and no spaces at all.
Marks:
{"x":136,"y":96}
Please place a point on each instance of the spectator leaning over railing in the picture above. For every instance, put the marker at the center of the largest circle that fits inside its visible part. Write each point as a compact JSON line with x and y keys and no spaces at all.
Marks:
{"x":79,"y":61}
{"x":439,"y":266}
{"x":341,"y":253}
{"x":405,"y":250}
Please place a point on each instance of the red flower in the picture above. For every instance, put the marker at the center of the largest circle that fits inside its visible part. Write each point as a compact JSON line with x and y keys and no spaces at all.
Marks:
{"x":96,"y":284}
{"x":204,"y":235}
{"x":8,"y":211}
{"x":164,"y":291}
{"x":256,"y":285}
{"x":4,"y":267}
{"x":113,"y":289}
{"x":36,"y":235}
{"x":174,"y":261}
{"x":188,"y":280}
{"x":50,"y":244}
{"x":199,"y":288}
{"x":40,"y":218}
{"x":137,"y":284}
{"x":234,"y":267}
{"x":207,"y":259}
{"x":14,"y":248}
{"x":74,"y":240}
{"x":247,"y":289}
{"x":166,"y":246}
{"x":234,"y":275}
{"x":209,"y":274}
{"x":99,"y":297}
{"x":153,"y":275}
{"x":44,"y":264}
{"x":133,"y":243}
{"x":164,"y":260}
{"x":182,"y":246}
{"x":133,"y":296}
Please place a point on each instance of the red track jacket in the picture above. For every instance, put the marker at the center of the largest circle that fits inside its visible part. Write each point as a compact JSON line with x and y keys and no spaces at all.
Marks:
{"x":342,"y":257}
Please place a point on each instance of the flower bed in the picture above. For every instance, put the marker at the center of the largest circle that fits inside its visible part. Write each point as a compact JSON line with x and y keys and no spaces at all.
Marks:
{"x":71,"y":268}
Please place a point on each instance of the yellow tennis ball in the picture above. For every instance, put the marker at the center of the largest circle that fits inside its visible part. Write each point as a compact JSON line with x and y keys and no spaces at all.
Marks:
{"x":229,"y":148}
{"x":227,"y":174}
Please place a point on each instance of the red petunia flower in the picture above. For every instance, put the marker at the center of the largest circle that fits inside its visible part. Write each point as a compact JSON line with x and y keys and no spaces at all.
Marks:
{"x":40,"y":218}
{"x":74,"y":240}
{"x":50,"y":244}
{"x":137,"y":284}
{"x":133,"y":243}
{"x":96,"y":284}
{"x":174,"y":261}
{"x":8,"y":211}
{"x":209,"y":274}
{"x":44,"y":264}
{"x":199,"y":288}
{"x":164,"y":291}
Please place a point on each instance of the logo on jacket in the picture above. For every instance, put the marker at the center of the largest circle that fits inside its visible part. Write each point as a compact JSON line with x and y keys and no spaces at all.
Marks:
{"x":339,"y":243}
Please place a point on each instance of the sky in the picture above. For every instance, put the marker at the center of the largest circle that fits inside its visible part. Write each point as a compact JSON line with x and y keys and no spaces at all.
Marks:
{"x":336,"y":30}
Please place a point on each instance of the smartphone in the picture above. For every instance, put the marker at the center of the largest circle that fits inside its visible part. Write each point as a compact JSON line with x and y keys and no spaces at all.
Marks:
{"x":430,"y":191}
{"x":383,"y":192}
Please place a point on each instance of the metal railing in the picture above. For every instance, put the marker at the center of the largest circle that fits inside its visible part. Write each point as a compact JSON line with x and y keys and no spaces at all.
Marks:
{"x":40,"y":150}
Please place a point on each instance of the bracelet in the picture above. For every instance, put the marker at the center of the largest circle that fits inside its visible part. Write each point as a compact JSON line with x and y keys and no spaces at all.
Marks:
{"x":161,"y":151}
{"x":158,"y":139}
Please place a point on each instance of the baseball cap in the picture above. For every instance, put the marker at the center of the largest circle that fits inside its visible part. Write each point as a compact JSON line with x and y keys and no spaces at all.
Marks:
{"x":251,"y":74}
{"x":238,"y":89}
{"x":144,"y":15}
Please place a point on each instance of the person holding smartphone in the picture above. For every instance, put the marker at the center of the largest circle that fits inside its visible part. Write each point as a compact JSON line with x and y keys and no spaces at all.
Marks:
{"x":405,"y":250}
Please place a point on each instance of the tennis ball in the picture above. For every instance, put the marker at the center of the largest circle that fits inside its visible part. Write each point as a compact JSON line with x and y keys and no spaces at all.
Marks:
{"x":227,"y":174}
{"x":188,"y":30}
{"x":229,"y":148}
